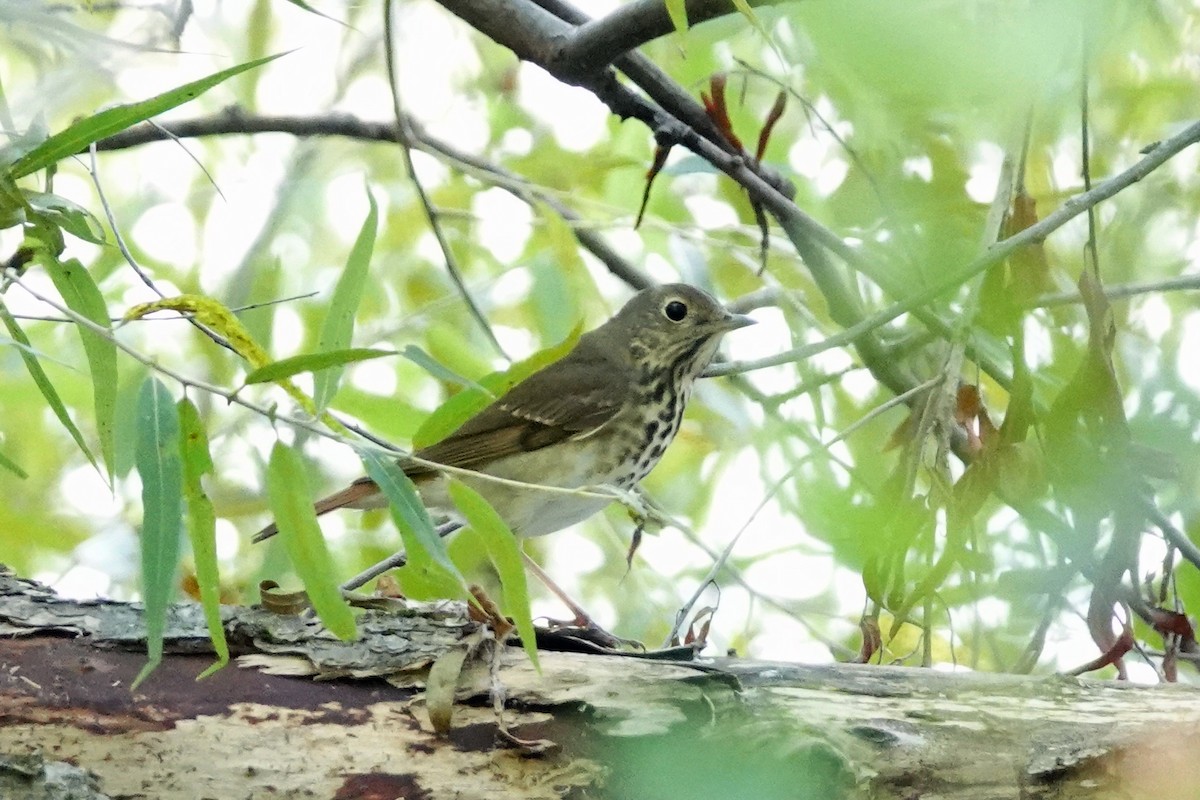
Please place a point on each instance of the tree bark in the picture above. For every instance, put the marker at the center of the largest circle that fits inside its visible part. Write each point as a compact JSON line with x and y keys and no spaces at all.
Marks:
{"x":304,"y":715}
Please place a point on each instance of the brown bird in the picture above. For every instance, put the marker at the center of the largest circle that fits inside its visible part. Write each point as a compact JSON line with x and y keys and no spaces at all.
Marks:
{"x":600,"y":416}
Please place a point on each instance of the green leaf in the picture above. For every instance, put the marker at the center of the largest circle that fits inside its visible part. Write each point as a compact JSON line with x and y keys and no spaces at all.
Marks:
{"x":72,"y":218}
{"x":338,"y":328}
{"x":82,"y":296}
{"x":202,"y":526}
{"x":467,"y":403}
{"x":42,"y":381}
{"x":12,"y":467}
{"x":436,"y":368}
{"x":158,"y":463}
{"x":428,"y":561}
{"x":313,"y":362}
{"x":311,"y":10}
{"x":79,"y":135}
{"x":287,"y":488}
{"x":677,"y":11}
{"x":14,"y":208}
{"x":505,"y":554}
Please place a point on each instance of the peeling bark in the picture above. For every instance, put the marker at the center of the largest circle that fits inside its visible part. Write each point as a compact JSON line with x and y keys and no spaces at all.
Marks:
{"x":303,"y":715}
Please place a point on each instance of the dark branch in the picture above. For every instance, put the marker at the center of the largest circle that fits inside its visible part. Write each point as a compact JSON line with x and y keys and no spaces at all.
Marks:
{"x":234,"y":121}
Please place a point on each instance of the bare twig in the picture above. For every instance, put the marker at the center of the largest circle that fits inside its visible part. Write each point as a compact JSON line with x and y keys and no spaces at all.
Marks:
{"x":1037,"y":232}
{"x":1120,"y":290}
{"x":128,"y":256}
{"x":455,"y":273}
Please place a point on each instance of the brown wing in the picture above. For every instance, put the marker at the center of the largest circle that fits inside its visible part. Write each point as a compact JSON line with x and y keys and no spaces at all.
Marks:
{"x":569,"y":398}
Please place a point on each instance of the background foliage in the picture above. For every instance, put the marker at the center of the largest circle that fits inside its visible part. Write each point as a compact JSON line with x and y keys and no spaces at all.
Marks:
{"x":914,"y":136}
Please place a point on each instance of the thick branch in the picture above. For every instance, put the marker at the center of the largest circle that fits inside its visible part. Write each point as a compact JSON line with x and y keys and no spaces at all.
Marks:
{"x":597,"y":43}
{"x":308,"y":715}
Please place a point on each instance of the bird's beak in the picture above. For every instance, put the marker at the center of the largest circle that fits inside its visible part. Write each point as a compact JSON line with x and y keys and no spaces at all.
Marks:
{"x":734,"y":321}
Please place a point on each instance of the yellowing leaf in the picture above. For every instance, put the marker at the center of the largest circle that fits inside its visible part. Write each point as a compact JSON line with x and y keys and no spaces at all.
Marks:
{"x":212,"y":314}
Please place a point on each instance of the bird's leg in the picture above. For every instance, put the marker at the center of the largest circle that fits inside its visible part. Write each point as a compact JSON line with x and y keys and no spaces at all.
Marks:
{"x":395,"y":560}
{"x":582,"y":619}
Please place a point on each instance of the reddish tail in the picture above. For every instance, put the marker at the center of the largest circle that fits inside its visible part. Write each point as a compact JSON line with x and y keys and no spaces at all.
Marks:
{"x":353,"y":494}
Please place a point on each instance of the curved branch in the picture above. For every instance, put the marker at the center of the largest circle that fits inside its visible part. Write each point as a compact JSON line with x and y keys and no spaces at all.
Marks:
{"x":234,"y":121}
{"x":597,"y":43}
{"x":431,"y":213}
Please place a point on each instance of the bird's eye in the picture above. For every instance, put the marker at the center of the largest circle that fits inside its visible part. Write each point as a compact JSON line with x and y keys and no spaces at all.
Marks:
{"x":675,"y":311}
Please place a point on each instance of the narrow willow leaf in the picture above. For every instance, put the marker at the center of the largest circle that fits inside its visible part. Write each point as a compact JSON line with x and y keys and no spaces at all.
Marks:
{"x":467,"y":403}
{"x":291,"y":502}
{"x":743,"y":7}
{"x":156,"y":457}
{"x":12,"y":467}
{"x":42,"y":381}
{"x":436,"y":368}
{"x":79,"y":135}
{"x":338,"y":328}
{"x":82,"y":296}
{"x":505,"y":554}
{"x":311,"y":10}
{"x":313,"y":362}
{"x":427,"y":555}
{"x":63,"y":213}
{"x":677,"y":11}
{"x":202,"y":526}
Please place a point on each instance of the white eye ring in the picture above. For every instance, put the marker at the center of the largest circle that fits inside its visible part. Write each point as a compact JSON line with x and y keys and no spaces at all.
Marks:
{"x":675,"y":310}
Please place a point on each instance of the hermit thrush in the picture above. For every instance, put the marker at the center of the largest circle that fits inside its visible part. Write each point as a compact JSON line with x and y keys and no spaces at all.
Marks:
{"x":600,"y":416}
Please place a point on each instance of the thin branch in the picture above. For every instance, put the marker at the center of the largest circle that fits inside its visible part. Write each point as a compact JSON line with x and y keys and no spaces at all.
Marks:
{"x":234,"y":121}
{"x":237,"y":310}
{"x":597,"y":43}
{"x":1121,"y":290}
{"x":94,"y":172}
{"x":602,"y":491}
{"x":719,"y":564}
{"x":1037,"y":232}
{"x":389,"y":46}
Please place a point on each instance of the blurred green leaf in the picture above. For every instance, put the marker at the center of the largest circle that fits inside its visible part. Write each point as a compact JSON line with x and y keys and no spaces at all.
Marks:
{"x":291,"y":503}
{"x":12,"y":466}
{"x":313,"y":362}
{"x":82,"y":296}
{"x":159,"y":465}
{"x":202,"y":525}
{"x":79,"y":135}
{"x":338,"y":328}
{"x":71,"y":217}
{"x":14,"y":208}
{"x":505,"y":554}
{"x":436,"y":368}
{"x":677,"y":11}
{"x":42,"y":381}
{"x":428,"y":560}
{"x":311,"y":10}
